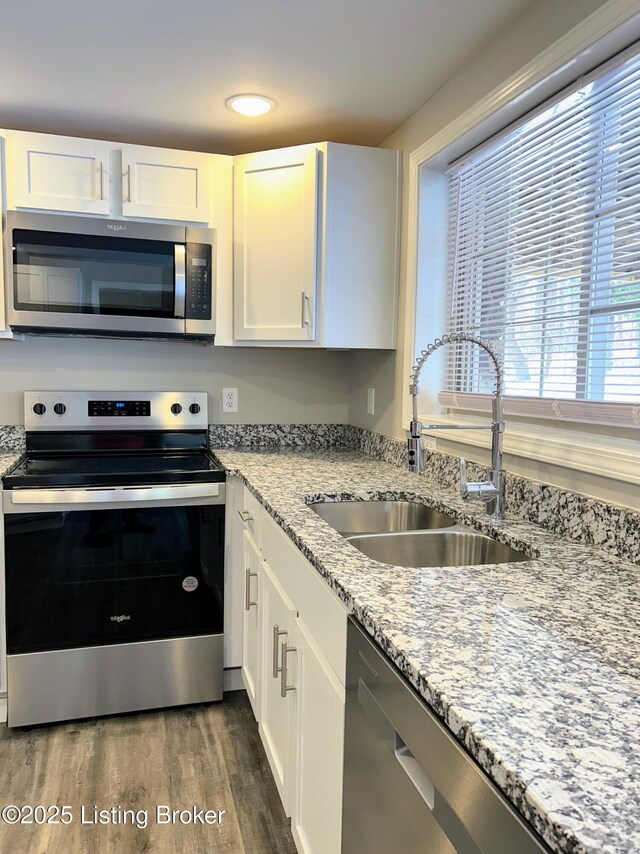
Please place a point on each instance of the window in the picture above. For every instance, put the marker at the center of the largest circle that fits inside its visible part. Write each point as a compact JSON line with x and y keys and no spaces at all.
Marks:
{"x":544,"y":252}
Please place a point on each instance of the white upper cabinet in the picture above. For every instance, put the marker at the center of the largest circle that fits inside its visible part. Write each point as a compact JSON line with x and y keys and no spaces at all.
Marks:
{"x":160,"y":183}
{"x":275,"y":233}
{"x":87,"y":176}
{"x":316,"y":243}
{"x":57,"y":173}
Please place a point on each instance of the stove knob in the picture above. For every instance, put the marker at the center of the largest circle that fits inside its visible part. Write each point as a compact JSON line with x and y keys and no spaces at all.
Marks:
{"x":39,"y":408}
{"x":176,"y":408}
{"x":194,"y":408}
{"x":59,"y":408}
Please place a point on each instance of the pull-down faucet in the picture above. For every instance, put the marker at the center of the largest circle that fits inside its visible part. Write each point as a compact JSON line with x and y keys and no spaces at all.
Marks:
{"x":490,"y":491}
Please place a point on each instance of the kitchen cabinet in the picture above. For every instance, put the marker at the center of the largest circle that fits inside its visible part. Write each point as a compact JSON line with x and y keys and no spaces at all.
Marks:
{"x":88,"y":176}
{"x":5,"y":332}
{"x":160,"y":183}
{"x":277,"y":715}
{"x":275,"y":233}
{"x":57,"y":173}
{"x":320,"y":698}
{"x":295,"y":642}
{"x":316,"y":241}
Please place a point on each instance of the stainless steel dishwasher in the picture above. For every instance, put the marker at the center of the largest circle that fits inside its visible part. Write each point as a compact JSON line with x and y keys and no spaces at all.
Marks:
{"x":409,"y":787}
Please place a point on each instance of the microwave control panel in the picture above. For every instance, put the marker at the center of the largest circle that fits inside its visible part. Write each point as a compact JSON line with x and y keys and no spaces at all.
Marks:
{"x":198,"y":276}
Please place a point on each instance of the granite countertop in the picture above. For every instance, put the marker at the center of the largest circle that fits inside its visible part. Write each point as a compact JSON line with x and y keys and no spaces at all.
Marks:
{"x":534,"y":666}
{"x":7,"y":460}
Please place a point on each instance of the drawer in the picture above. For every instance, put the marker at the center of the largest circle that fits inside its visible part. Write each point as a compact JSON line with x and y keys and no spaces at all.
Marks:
{"x":324,"y":614}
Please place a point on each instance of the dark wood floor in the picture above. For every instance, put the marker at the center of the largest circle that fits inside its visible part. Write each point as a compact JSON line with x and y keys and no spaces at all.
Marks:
{"x":207,"y":756}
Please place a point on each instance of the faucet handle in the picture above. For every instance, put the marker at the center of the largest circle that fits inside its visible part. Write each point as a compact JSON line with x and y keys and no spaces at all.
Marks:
{"x":464,"y":489}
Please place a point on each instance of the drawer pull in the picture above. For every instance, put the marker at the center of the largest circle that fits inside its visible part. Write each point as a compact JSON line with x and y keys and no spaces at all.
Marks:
{"x":245,"y":515}
{"x":277,"y":632}
{"x":248,"y":603}
{"x":284,"y":688}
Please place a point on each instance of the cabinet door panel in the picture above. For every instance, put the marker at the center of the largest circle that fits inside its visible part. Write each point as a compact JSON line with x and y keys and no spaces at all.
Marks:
{"x":166,"y":184}
{"x":276,"y":712}
{"x":251,"y":652}
{"x":276,"y":218}
{"x":320,"y":700}
{"x":58,"y":173}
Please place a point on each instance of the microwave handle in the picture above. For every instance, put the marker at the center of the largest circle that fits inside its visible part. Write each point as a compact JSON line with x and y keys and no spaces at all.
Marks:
{"x":180,"y":280}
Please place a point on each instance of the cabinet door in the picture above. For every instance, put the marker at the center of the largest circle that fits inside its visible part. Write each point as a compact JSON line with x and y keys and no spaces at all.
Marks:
{"x":252,"y":620}
{"x":275,"y":233}
{"x":3,"y":326}
{"x":317,"y":818}
{"x":161,"y":183}
{"x":277,"y":715}
{"x":57,"y":173}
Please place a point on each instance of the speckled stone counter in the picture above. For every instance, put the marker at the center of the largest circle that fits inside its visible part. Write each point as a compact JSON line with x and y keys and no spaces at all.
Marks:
{"x":534,"y":666}
{"x":7,"y":461}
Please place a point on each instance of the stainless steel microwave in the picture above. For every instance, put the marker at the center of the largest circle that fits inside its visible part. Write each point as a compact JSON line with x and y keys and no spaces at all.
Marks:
{"x":76,"y":275}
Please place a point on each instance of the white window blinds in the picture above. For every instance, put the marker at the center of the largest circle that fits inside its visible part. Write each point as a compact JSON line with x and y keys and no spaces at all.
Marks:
{"x":544,"y":249}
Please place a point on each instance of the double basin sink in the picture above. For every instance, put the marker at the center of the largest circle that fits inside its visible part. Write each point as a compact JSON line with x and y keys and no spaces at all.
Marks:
{"x":406,"y":533}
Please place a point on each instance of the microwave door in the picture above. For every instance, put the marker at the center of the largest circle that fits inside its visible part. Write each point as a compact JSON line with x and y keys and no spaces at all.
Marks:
{"x":95,"y":283}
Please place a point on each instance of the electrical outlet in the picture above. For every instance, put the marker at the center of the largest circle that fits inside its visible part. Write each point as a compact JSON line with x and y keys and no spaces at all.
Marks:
{"x":229,"y":399}
{"x":371,"y":401}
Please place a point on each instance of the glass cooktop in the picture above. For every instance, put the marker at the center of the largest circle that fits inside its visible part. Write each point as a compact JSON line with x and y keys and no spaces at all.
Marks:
{"x":51,"y":470}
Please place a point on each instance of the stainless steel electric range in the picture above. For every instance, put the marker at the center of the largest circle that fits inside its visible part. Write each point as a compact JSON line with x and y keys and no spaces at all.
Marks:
{"x":114,"y":547}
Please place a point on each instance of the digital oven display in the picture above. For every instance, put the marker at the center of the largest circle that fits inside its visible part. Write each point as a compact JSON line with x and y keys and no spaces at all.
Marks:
{"x":108,"y":408}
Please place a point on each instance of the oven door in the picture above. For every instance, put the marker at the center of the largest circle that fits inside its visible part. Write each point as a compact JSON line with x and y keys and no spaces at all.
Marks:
{"x":128,"y":279}
{"x":109,"y":566}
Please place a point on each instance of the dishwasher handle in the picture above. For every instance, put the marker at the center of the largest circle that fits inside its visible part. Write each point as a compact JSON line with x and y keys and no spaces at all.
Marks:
{"x":407,"y":761}
{"x":415,"y":772}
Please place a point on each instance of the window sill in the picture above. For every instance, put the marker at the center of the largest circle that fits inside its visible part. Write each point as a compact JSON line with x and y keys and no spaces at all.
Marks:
{"x":603,"y":456}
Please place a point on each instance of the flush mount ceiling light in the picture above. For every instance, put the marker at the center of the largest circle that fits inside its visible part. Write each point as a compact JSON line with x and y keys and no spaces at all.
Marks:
{"x":250,"y":105}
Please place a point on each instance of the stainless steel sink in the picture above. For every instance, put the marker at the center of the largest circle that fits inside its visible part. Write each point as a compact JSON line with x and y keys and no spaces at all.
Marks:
{"x":446,"y":548}
{"x":380,"y":517}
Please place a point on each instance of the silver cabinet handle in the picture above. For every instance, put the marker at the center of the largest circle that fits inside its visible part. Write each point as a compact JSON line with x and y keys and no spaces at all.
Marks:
{"x":277,"y":631}
{"x":101,"y":181}
{"x":284,"y":649}
{"x":245,"y":515}
{"x":129,"y":199}
{"x":305,"y":300}
{"x":248,"y":603}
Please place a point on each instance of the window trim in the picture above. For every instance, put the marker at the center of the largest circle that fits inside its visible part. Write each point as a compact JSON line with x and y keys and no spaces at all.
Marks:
{"x":609,"y":30}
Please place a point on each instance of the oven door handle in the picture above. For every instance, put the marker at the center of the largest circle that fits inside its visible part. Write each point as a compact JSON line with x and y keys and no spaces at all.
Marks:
{"x":116,"y":494}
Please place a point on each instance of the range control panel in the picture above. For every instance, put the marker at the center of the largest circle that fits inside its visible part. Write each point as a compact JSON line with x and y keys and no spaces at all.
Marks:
{"x":130,"y":410}
{"x":118,"y":408}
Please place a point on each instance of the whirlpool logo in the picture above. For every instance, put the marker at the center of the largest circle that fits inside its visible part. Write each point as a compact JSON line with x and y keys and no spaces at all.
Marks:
{"x":120,"y":618}
{"x":117,"y":227}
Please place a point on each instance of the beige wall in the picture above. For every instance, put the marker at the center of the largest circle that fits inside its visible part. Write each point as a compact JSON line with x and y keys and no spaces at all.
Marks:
{"x":275,"y":386}
{"x":525,"y":38}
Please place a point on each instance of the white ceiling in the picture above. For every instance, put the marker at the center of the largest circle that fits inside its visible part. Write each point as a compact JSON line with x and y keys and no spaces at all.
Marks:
{"x":159,"y":71}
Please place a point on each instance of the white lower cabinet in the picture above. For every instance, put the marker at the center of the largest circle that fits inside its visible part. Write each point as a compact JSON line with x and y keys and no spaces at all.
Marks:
{"x":251,"y":652}
{"x":320,"y":701}
{"x":277,"y":715}
{"x":293,"y":669}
